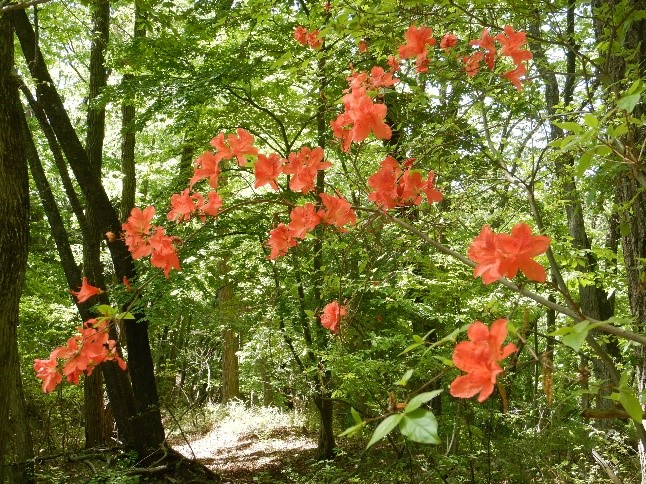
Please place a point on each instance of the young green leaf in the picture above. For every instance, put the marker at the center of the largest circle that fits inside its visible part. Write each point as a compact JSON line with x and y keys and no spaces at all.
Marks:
{"x":420,"y":426}
{"x":355,"y":415}
{"x":418,"y":400}
{"x":352,"y":430}
{"x":628,"y":103}
{"x":631,"y":404}
{"x":384,"y":428}
{"x":404,"y":380}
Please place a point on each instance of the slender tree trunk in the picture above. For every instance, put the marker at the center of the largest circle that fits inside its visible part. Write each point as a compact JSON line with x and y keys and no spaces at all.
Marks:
{"x":230,"y":341}
{"x":230,"y":372}
{"x":15,"y":436}
{"x":593,"y":300}
{"x":146,"y":427}
{"x":122,"y":400}
{"x":128,"y":138}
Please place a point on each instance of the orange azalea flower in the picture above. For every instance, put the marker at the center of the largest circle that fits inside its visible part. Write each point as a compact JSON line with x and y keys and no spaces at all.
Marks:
{"x":206,"y":166}
{"x":418,"y":40}
{"x":280,"y":240}
{"x":486,"y":42}
{"x":331,"y":316}
{"x":164,"y":255}
{"x":479,"y":357}
{"x":267,"y":169}
{"x":304,"y":165}
{"x":511,"y":42}
{"x":338,"y":211}
{"x":304,"y":219}
{"x":86,"y":291}
{"x":503,"y":255}
{"x":137,"y":229}
{"x":448,"y":41}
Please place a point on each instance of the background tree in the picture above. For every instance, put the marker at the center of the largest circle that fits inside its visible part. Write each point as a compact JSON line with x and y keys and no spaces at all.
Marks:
{"x":15,"y":437}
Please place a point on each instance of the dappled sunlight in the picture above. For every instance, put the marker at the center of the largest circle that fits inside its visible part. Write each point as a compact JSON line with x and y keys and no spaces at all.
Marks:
{"x":248,"y":440}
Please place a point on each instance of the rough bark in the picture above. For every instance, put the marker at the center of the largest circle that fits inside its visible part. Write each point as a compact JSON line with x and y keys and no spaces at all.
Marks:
{"x":15,"y":436}
{"x":94,"y":408}
{"x":146,"y":426}
{"x":230,"y":372}
{"x":622,"y":62}
{"x":119,"y":388}
{"x":59,"y":161}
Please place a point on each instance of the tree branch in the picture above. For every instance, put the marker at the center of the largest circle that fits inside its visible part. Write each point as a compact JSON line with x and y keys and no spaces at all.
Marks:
{"x":20,"y":6}
{"x":604,"y":327}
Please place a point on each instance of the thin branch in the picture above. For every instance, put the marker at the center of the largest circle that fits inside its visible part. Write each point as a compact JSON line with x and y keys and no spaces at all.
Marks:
{"x":21,"y":6}
{"x":604,"y":327}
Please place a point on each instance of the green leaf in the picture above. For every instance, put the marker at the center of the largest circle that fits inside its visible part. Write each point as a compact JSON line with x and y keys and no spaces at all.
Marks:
{"x":410,"y":348}
{"x":628,"y":103}
{"x":418,"y":400}
{"x":569,"y":126}
{"x":404,"y":380}
{"x":420,"y":426}
{"x":618,"y":131}
{"x":107,"y":311}
{"x":446,"y":361}
{"x":282,"y":59}
{"x":591,"y":120}
{"x":384,"y":428}
{"x":574,"y":336}
{"x":585,"y":160}
{"x":355,"y":415}
{"x":352,"y":430}
{"x":631,"y":404}
{"x":635,"y":87}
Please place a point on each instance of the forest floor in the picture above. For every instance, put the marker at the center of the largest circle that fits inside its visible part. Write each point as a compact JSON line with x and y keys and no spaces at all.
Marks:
{"x":239,"y":455}
{"x":252,"y":446}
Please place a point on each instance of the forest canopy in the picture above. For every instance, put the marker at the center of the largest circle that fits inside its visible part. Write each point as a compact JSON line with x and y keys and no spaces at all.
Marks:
{"x":418,"y":228}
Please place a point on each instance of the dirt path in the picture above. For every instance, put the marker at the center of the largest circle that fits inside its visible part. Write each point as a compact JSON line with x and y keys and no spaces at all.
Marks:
{"x":244,"y":449}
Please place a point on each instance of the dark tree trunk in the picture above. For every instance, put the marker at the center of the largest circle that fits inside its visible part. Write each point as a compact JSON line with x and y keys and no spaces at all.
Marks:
{"x":94,"y":407}
{"x":129,"y":181}
{"x":119,"y":387}
{"x":325,"y":407}
{"x":626,"y":61}
{"x":230,"y":373}
{"x":593,"y":300}
{"x":146,"y":427}
{"x":15,"y":436}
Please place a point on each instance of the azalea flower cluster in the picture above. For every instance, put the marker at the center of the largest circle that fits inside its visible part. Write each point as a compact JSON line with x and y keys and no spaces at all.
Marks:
{"x":336,"y":211}
{"x":83,"y":352}
{"x":307,"y":37}
{"x":185,"y":205}
{"x":419,"y":40}
{"x":510,"y":42}
{"x":238,"y":146}
{"x":394,"y":187}
{"x":480,"y":358}
{"x":143,"y":239}
{"x":361,"y":115}
{"x":503,"y":255}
